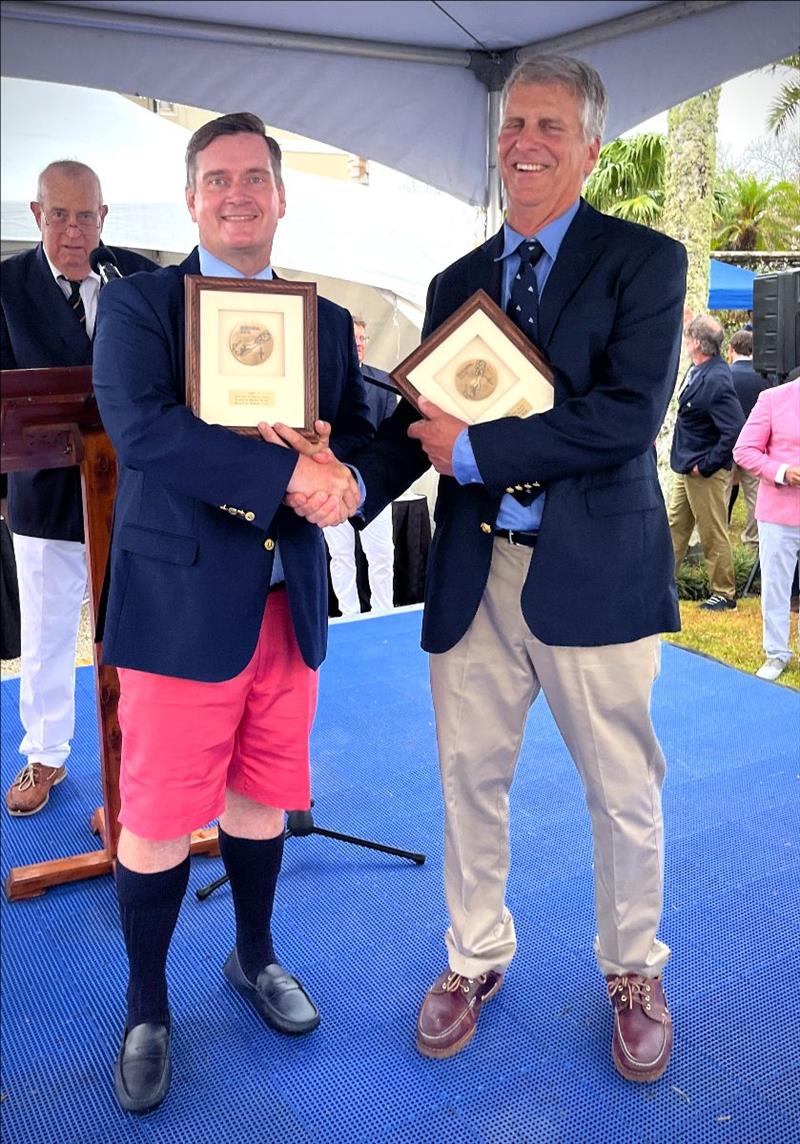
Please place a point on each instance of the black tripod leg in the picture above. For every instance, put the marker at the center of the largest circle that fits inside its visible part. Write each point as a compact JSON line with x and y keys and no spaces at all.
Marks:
{"x":204,"y":891}
{"x":417,"y":858}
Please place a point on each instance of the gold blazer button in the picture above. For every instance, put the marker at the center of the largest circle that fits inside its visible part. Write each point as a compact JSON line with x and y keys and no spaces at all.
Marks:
{"x":269,"y":544}
{"x":485,"y":527}
{"x":249,"y":516}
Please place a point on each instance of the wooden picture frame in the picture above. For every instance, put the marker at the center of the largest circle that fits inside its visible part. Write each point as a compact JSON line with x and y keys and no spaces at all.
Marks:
{"x":251,"y":352}
{"x":478,"y":366}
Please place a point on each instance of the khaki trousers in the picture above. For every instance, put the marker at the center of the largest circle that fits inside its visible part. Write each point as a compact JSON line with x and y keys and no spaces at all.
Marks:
{"x":600,"y":699}
{"x":748,"y":488}
{"x":704,"y":501}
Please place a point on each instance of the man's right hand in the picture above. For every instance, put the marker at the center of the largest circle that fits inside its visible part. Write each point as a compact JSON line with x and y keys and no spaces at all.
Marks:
{"x":323,"y":494}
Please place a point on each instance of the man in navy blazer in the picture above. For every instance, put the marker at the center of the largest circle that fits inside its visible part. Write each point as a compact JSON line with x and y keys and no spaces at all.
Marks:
{"x":709,"y":421}
{"x":49,"y":301}
{"x":217,"y":603}
{"x":566,"y":594}
{"x":749,"y":385}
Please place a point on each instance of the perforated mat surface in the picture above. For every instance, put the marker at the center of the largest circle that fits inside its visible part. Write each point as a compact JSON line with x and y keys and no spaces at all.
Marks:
{"x":364,"y":931}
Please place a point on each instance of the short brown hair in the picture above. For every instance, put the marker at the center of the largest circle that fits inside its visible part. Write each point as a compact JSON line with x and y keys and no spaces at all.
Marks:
{"x":236,"y":123}
{"x":742,"y":343}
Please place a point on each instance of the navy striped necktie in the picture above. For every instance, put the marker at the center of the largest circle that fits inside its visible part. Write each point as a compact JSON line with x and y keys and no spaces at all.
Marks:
{"x":75,"y":301}
{"x":523,"y":310}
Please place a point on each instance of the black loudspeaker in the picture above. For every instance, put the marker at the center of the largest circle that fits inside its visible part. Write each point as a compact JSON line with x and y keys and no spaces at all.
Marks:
{"x":776,"y":322}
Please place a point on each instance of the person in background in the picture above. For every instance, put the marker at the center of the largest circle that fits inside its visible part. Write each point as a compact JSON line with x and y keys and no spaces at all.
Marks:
{"x":769,"y":448}
{"x":49,"y":302}
{"x":708,"y":423}
{"x":377,"y":539}
{"x":216,"y":613}
{"x":748,"y":385}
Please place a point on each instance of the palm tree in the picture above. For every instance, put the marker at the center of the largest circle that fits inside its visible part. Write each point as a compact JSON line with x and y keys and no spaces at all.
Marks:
{"x":628,"y":180}
{"x":755,"y":214}
{"x":783,"y":110}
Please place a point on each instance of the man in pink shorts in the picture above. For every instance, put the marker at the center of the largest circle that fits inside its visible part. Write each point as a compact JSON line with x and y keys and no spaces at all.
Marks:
{"x":216,"y":612}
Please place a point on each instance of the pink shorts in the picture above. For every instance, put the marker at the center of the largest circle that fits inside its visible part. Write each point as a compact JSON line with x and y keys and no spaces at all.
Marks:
{"x":184,"y":742}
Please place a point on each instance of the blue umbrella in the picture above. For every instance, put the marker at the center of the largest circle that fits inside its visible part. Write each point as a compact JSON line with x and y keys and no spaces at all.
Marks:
{"x":730,"y":287}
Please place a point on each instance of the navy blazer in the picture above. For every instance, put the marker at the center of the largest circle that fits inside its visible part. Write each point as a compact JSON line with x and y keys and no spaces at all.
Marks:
{"x":748,"y":384}
{"x":610,"y":325}
{"x":198,"y":508}
{"x":382,"y":402}
{"x":709,"y":420}
{"x":39,"y":330}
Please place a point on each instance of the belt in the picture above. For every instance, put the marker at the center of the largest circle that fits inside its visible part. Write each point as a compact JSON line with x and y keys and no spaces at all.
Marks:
{"x":526,"y":539}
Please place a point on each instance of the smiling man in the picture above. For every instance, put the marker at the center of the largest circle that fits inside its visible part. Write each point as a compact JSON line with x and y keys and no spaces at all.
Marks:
{"x":217,"y":605}
{"x":49,"y":301}
{"x":551,"y":567}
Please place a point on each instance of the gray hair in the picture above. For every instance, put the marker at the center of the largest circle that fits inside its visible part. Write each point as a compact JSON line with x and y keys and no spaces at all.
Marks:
{"x":579,"y":78}
{"x":69,"y":169}
{"x":707,"y":332}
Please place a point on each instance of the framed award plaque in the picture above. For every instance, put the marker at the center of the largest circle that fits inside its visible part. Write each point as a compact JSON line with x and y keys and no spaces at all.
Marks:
{"x":251,"y":352}
{"x":478,"y":367}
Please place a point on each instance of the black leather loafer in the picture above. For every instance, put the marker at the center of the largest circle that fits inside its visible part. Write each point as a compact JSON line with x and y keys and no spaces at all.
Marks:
{"x":277,"y":996}
{"x":144,"y":1067}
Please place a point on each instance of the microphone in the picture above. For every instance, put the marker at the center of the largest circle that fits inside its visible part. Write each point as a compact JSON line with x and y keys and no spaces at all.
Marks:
{"x":104,"y":262}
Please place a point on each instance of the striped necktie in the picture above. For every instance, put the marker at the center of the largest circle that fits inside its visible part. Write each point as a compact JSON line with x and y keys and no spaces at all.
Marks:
{"x":523,"y":310}
{"x":75,"y":301}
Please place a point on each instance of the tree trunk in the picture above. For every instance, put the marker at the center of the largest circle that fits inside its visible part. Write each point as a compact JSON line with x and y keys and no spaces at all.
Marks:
{"x":688,"y":214}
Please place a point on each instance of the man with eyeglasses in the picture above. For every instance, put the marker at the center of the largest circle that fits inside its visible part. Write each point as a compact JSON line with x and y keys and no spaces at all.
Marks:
{"x":49,"y":300}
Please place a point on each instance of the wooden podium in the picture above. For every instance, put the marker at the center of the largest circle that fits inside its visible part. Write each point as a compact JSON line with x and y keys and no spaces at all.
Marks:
{"x":48,"y":420}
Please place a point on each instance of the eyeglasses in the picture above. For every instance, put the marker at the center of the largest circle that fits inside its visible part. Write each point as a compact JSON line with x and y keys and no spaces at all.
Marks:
{"x":362,"y":340}
{"x":59,"y":219}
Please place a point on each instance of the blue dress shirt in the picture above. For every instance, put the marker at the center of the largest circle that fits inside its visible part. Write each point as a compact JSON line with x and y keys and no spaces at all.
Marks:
{"x":512,"y":514}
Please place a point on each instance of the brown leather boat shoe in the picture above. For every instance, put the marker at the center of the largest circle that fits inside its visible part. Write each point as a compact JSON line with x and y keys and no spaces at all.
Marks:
{"x":450,"y":1011}
{"x":642,"y":1039}
{"x":30,"y":790}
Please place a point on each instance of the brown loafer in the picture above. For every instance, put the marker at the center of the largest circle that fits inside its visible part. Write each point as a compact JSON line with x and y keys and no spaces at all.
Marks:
{"x":31,"y":788}
{"x":450,"y":1011}
{"x":642,"y":1039}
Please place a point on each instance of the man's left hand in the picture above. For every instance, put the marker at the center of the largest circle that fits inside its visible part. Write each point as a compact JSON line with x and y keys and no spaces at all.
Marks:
{"x":437,"y":435}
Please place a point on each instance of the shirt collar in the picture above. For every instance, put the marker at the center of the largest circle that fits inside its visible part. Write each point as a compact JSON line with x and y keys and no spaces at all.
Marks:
{"x":213,"y":267}
{"x":550,"y":236}
{"x":60,"y":273}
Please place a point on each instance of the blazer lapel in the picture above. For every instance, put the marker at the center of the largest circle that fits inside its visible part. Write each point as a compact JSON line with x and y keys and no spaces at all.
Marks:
{"x":582,"y":246}
{"x":485,"y":273}
{"x":57,"y":323}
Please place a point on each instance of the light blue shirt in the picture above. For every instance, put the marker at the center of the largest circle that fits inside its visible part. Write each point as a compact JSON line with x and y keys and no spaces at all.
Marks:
{"x":511,"y":513}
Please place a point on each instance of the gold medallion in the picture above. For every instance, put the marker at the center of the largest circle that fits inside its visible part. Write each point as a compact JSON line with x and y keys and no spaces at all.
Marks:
{"x":476,"y":379}
{"x":251,"y":343}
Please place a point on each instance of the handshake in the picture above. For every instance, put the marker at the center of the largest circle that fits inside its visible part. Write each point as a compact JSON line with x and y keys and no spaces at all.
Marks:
{"x":321,"y":489}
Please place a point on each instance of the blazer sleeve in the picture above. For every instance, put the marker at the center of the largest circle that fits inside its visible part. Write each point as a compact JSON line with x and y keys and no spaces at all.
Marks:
{"x":725,"y":411}
{"x":751,"y":451}
{"x":138,"y":381}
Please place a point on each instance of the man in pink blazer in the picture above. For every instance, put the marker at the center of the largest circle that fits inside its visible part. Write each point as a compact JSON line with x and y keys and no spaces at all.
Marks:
{"x":769,"y":447}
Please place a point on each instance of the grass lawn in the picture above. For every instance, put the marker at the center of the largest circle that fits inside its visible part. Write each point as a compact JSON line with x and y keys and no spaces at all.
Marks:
{"x":733,"y":637}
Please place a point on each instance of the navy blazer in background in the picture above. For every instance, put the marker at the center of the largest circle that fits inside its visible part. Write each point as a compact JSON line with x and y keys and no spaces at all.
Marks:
{"x":39,"y":330}
{"x":709,"y":421}
{"x":610,"y":324}
{"x":748,"y":384}
{"x":198,"y":508}
{"x":382,"y":402}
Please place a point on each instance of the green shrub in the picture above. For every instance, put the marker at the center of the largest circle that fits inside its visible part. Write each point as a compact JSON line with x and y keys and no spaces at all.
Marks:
{"x":693,"y":581}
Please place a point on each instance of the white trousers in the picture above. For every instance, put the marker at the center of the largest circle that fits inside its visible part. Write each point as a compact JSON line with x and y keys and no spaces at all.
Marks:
{"x":52,"y":582}
{"x":377,"y":540}
{"x":600,"y":699}
{"x":779,"y":553}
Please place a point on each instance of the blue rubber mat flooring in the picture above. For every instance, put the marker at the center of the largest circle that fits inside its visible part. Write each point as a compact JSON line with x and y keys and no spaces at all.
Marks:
{"x":364,"y":930}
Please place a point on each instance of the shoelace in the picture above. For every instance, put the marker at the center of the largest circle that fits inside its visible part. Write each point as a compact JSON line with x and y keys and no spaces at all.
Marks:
{"x":27,"y":777}
{"x":456,"y":981}
{"x":630,"y":991}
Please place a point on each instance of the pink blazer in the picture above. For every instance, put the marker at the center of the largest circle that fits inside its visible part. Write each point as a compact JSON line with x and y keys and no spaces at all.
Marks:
{"x":771,"y":438}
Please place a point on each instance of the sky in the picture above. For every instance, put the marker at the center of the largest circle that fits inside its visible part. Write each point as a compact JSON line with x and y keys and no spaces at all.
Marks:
{"x":743,"y":108}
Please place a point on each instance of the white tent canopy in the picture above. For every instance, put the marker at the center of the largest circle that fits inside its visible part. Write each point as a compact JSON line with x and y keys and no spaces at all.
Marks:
{"x":395,"y":80}
{"x":389,"y":236}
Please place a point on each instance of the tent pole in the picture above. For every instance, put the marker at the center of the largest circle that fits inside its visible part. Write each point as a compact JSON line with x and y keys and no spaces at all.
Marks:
{"x":494,"y":190}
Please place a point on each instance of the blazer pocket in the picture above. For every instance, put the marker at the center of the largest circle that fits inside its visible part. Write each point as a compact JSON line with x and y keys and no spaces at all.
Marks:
{"x":625,"y":496}
{"x":158,"y":545}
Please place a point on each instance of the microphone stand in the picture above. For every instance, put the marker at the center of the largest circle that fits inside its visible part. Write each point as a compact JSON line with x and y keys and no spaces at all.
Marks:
{"x":299,"y":824}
